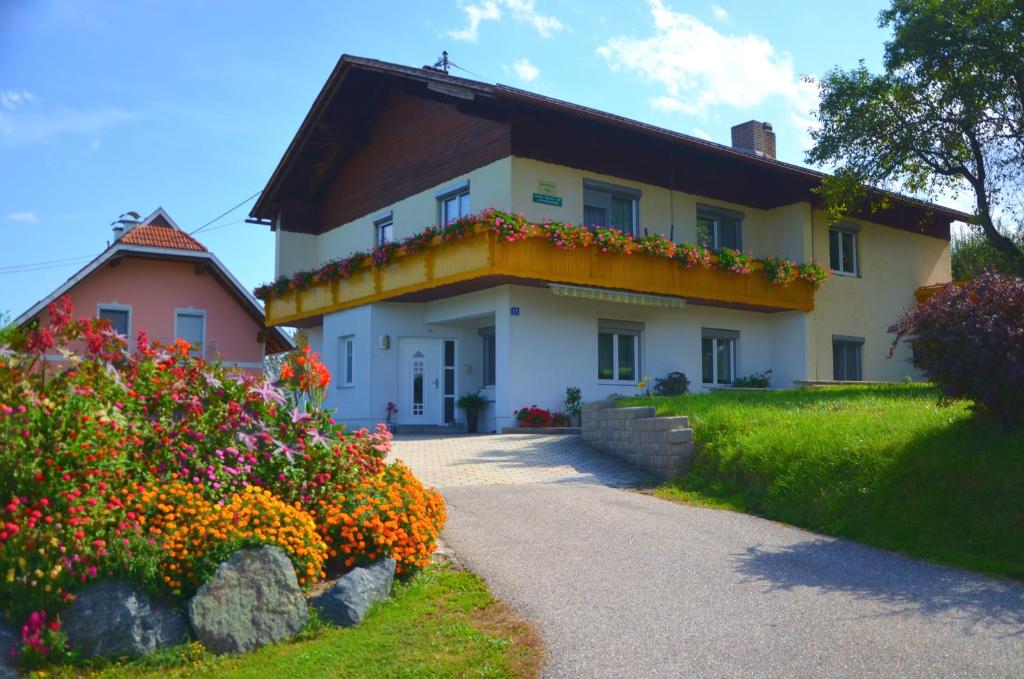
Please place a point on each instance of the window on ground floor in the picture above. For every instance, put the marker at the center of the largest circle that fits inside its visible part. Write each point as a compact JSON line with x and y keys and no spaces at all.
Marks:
{"x":618,"y":351}
{"x":846,"y":358}
{"x":490,"y":367}
{"x":718,"y":355}
{"x":190,"y":325}
{"x":346,"y":361}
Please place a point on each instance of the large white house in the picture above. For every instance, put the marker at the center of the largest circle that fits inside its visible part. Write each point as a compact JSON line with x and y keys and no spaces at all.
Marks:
{"x":387,"y":150}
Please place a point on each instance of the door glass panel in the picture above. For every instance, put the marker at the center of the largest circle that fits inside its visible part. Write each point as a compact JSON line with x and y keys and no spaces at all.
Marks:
{"x":449,"y":381}
{"x":595,"y":216}
{"x":725,"y":361}
{"x":706,"y":231}
{"x":729,"y":233}
{"x":605,"y":356}
{"x":622,"y":214}
{"x":627,"y":357}
{"x":707,"y":360}
{"x":418,"y":365}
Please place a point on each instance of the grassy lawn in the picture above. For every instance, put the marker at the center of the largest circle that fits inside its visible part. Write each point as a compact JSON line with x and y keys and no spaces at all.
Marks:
{"x":444,"y":623}
{"x":884,"y":465}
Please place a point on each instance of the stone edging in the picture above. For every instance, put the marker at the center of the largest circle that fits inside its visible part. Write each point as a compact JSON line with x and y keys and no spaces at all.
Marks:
{"x":660,"y":445}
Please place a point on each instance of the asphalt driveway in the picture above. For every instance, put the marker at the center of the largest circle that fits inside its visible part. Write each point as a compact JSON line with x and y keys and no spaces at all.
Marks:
{"x":626,"y":585}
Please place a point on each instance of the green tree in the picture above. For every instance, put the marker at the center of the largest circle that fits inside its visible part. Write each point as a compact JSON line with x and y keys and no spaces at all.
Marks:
{"x":946,"y":115}
{"x":973,"y":254}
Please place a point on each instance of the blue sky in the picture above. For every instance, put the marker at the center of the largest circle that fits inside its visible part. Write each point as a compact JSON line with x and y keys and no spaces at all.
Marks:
{"x":112,"y":106}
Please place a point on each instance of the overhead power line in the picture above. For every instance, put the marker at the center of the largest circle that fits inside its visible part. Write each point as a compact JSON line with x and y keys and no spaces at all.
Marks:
{"x":225,"y":214}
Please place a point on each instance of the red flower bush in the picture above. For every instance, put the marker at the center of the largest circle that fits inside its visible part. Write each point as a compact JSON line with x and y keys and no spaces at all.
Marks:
{"x":970,"y":341}
{"x":539,"y":417}
{"x":154,"y":465}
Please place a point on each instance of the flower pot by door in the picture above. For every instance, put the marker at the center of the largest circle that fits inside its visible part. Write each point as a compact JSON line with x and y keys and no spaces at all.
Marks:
{"x":472,"y":420}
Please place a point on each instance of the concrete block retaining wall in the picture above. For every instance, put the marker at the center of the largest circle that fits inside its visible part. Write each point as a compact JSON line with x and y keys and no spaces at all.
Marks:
{"x":660,"y":445}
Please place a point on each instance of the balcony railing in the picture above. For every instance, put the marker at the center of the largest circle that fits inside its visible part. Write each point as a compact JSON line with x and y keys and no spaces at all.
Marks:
{"x":484,"y":259}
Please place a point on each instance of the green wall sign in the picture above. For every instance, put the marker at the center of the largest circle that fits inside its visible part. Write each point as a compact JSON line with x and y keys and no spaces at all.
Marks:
{"x":545,"y":199}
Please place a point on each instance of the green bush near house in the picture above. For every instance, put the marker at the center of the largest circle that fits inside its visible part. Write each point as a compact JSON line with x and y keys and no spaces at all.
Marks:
{"x":884,"y":465}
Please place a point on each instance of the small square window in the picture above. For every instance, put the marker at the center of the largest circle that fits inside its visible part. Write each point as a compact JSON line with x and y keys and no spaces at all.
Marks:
{"x":190,"y":326}
{"x":453,"y":205}
{"x":119,"y":317}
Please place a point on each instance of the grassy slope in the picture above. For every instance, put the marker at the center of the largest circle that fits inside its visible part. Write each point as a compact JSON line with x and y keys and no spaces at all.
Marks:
{"x":883,"y":465}
{"x":444,"y":623}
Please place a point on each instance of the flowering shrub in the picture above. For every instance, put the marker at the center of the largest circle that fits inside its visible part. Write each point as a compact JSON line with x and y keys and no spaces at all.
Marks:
{"x":511,"y":228}
{"x":734,"y":261}
{"x":568,"y":237}
{"x":387,"y":515}
{"x":539,"y":417}
{"x":154,"y":466}
{"x":780,"y":271}
{"x":970,"y":341}
{"x":692,"y":255}
{"x":195,"y":535}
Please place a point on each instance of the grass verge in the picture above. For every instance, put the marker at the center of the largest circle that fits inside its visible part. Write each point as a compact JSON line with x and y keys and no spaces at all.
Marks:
{"x":442,"y":623}
{"x":884,"y":465}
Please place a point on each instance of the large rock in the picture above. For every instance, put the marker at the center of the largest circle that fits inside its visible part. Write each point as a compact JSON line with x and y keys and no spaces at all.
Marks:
{"x":114,"y":619}
{"x":9,"y":641}
{"x":252,"y":600}
{"x":348,"y":599}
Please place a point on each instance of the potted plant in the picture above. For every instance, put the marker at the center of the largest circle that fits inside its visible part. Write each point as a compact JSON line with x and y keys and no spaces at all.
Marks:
{"x":391,"y":410}
{"x":573,"y":405}
{"x":472,"y":404}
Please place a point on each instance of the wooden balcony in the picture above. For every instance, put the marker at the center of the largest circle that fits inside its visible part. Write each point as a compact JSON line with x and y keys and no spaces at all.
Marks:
{"x":926,"y":292}
{"x":482,"y":261}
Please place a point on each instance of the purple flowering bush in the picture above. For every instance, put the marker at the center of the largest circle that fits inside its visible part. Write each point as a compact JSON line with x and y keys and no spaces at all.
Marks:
{"x":970,"y":341}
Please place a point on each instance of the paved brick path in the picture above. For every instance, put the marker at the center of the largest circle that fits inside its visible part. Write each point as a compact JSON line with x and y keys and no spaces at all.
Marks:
{"x":508,"y":459}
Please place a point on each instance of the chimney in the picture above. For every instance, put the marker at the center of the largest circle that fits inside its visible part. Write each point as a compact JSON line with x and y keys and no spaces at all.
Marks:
{"x":754,"y":137}
{"x":124,"y":224}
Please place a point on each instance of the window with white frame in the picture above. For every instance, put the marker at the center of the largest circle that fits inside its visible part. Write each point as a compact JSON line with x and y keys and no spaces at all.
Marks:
{"x":842,"y":249}
{"x":618,"y":351}
{"x":190,"y":325}
{"x":490,"y":361}
{"x":718,"y":355}
{"x":346,"y":361}
{"x":453,"y":205}
{"x":607,"y":205}
{"x":383,"y":230}
{"x":119,"y":315}
{"x":719,"y":228}
{"x":846,"y":358}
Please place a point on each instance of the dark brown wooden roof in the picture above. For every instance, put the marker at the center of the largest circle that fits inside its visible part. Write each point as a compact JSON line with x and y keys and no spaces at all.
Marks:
{"x":342,"y":121}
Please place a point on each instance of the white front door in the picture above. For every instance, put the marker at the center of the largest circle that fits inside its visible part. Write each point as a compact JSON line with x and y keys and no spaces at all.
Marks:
{"x":419,"y":382}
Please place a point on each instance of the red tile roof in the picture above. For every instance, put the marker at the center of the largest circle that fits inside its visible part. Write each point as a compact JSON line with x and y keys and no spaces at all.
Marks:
{"x":159,"y":234}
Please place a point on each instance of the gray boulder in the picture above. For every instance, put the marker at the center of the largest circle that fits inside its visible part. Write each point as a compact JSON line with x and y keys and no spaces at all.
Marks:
{"x":115,"y":619}
{"x":252,"y":600}
{"x":346,"y":602}
{"x":9,"y":641}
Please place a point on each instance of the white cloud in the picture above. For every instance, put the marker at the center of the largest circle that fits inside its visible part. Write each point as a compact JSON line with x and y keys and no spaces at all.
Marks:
{"x":493,"y":10}
{"x":701,"y":133}
{"x":25,"y":217}
{"x":525,"y":71}
{"x":12,"y":99}
{"x":44,"y":122}
{"x":719,"y":13}
{"x":698,"y":68}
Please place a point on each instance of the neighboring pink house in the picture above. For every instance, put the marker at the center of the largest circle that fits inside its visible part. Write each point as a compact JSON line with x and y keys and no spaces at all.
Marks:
{"x":156,"y":277}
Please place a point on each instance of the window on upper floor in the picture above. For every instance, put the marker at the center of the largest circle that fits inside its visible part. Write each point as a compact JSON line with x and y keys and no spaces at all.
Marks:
{"x":383,"y":230}
{"x":719,"y":228}
{"x":490,"y":360}
{"x":846,"y":358}
{"x":618,"y":351}
{"x":119,"y":315}
{"x":607,"y":205}
{"x":190,"y":325}
{"x":842,"y":249}
{"x":718,"y":355}
{"x":346,"y":361}
{"x":453,"y":204}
